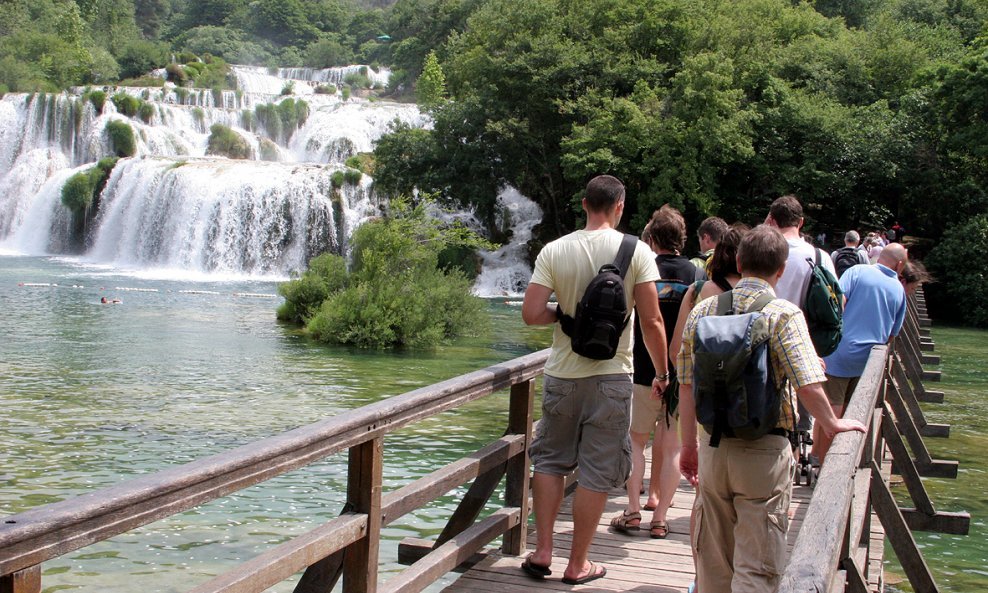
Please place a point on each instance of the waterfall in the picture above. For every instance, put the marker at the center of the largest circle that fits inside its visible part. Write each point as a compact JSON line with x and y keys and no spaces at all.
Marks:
{"x":174,"y":207}
{"x":506,"y":272}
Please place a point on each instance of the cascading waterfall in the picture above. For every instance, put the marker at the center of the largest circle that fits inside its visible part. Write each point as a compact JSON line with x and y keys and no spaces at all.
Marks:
{"x":173,"y":208}
{"x":506,"y":272}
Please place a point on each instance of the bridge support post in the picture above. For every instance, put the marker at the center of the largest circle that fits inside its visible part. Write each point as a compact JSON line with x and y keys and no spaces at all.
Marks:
{"x":365,"y":473}
{"x":22,"y":581}
{"x":517,"y":481}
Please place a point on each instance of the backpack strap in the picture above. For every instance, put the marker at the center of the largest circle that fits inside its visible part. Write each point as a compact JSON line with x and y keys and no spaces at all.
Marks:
{"x":623,"y":260}
{"x":725,"y":303}
{"x":759,"y":303}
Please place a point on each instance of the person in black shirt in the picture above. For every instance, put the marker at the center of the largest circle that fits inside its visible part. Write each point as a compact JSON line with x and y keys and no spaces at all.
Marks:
{"x":666,"y":235}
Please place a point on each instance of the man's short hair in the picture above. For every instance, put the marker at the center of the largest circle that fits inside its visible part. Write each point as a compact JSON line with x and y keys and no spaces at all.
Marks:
{"x":763,"y":251}
{"x":603,"y":193}
{"x":713,"y":227}
{"x":852,"y":237}
{"x":667,"y":229}
{"x":786,"y":211}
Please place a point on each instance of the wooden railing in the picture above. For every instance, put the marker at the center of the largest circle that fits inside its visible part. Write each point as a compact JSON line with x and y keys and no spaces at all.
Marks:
{"x":853,"y":486}
{"x":347,"y":545}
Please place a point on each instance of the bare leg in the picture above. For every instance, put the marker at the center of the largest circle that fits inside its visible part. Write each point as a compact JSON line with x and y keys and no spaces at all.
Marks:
{"x":587,"y":508}
{"x":665,"y":454}
{"x":638,"y":442}
{"x":547,"y":496}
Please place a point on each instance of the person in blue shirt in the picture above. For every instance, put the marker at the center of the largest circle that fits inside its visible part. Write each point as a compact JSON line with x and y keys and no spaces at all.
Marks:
{"x":873,"y":314}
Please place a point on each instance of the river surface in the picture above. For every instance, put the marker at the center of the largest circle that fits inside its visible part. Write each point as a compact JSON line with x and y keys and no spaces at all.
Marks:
{"x":183,"y":368}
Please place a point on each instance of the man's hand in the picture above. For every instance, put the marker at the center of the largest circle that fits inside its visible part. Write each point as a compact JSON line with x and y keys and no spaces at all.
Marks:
{"x":689,"y":464}
{"x":842,"y":425}
{"x":659,"y":387}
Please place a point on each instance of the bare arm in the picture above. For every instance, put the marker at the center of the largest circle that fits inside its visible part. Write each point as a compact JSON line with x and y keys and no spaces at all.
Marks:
{"x":535,"y":308}
{"x":653,"y":327}
{"x":688,"y":462}
{"x":815,"y":400}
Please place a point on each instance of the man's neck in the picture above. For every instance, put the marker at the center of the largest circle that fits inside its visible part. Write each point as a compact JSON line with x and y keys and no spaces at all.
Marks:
{"x":789,"y":232}
{"x":598,"y":222}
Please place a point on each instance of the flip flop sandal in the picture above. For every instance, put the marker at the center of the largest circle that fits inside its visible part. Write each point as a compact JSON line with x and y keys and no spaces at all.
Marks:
{"x":536,"y":571}
{"x":658,"y":530}
{"x":593,"y":575}
{"x":623,"y":522}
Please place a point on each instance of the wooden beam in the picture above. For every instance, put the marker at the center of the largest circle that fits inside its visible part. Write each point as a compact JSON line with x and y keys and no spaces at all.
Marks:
{"x":940,"y":522}
{"x":816,"y":553}
{"x":448,"y":556}
{"x":899,"y":535}
{"x":517,"y":481}
{"x":413,"y":549}
{"x":910,"y":476}
{"x":281,"y":562}
{"x":364,"y":477}
{"x":906,"y":427}
{"x":935,"y":430}
{"x":22,"y":581}
{"x":472,"y":504}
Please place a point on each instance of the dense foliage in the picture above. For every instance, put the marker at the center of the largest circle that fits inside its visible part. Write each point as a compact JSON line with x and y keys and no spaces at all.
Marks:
{"x":395,"y":292}
{"x":47,"y":45}
{"x":962,"y":270}
{"x":869,"y":111}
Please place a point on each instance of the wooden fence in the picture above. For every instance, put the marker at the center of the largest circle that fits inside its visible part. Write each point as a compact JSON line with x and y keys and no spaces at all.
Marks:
{"x":851,"y":489}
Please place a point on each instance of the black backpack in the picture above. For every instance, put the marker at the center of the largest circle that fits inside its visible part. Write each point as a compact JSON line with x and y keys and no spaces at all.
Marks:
{"x":845,"y":258}
{"x":823,"y":308}
{"x":602,"y":313}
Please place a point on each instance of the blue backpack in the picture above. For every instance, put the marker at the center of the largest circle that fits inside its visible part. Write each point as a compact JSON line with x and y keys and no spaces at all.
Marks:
{"x":733,"y":387}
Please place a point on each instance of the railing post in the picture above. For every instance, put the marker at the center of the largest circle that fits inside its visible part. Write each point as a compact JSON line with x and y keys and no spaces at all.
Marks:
{"x":364,"y":476}
{"x":517,"y":480}
{"x":22,"y":581}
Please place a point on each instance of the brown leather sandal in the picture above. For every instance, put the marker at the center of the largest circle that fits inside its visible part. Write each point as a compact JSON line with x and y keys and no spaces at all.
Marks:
{"x":658,"y":530}
{"x":623,"y":522}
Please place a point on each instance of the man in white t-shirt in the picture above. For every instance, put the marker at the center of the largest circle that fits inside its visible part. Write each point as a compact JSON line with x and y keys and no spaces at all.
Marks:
{"x":786,"y":214}
{"x":586,"y":406}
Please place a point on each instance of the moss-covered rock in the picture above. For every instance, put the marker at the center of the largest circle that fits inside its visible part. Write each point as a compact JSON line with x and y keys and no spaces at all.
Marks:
{"x":269,"y":150}
{"x":126,"y":104}
{"x":122,"y":138}
{"x":224,"y":141}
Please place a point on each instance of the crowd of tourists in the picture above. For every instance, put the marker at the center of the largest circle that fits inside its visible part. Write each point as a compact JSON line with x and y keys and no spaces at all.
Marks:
{"x":729,"y":361}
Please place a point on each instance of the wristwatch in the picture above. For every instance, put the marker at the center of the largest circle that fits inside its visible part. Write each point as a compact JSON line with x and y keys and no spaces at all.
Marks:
{"x":662,"y":377}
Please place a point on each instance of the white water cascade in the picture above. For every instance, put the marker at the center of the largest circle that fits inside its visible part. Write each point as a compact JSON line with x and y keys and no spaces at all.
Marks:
{"x":172,"y":207}
{"x":506,"y":272}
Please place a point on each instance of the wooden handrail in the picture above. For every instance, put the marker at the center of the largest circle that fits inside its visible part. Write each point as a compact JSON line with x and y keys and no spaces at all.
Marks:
{"x":27,"y":539}
{"x":814,"y":558}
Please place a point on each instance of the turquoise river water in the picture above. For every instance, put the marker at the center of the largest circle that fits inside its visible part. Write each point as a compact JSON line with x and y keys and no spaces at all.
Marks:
{"x":93,"y":394}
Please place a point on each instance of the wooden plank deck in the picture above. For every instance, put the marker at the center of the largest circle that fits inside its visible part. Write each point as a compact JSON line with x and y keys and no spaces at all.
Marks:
{"x":635,"y":563}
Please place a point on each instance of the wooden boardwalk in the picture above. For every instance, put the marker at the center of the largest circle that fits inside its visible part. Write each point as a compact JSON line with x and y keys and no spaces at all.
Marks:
{"x":635,"y":563}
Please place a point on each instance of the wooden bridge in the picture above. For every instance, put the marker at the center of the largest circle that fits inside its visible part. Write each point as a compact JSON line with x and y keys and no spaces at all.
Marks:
{"x":835,"y":541}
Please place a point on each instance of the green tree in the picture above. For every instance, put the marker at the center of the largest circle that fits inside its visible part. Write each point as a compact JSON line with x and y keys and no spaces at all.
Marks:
{"x":961,"y":275}
{"x":430,"y":89}
{"x":395,"y":294}
{"x":282,"y":21}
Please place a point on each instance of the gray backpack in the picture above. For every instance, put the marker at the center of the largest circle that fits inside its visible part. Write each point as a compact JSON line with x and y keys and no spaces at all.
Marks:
{"x":733,"y":387}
